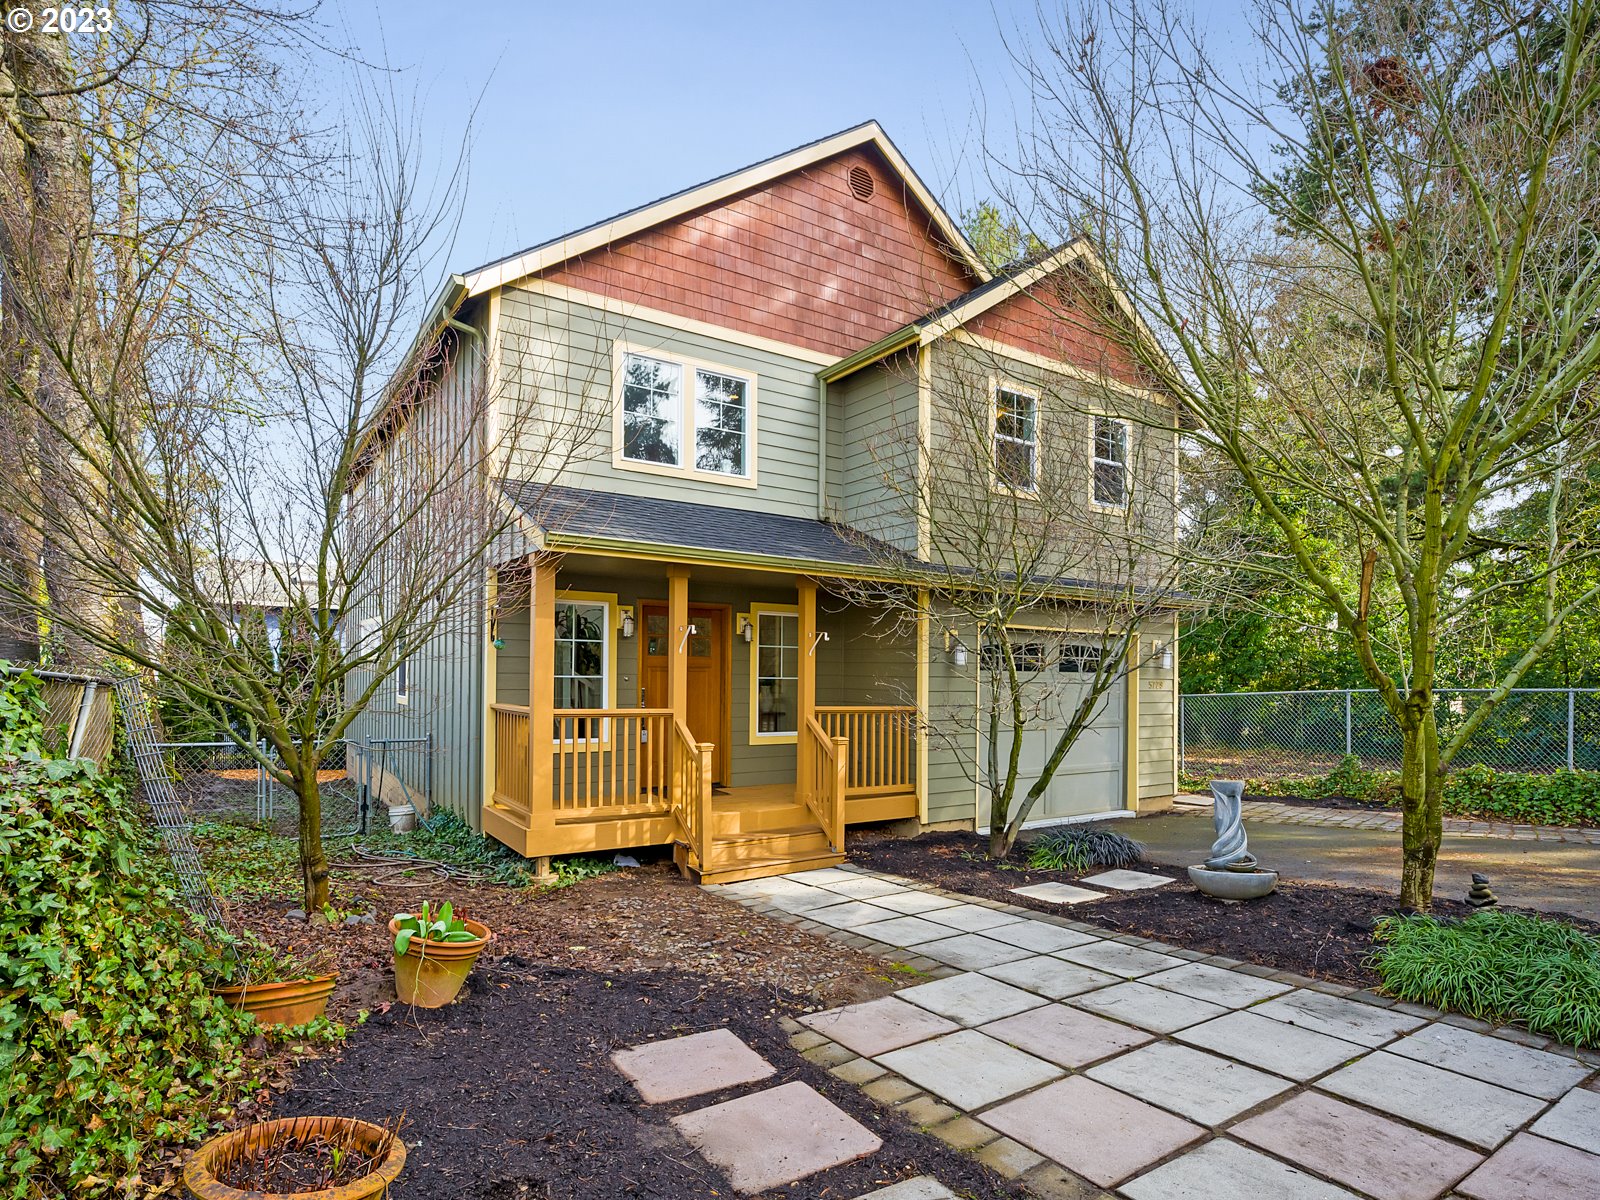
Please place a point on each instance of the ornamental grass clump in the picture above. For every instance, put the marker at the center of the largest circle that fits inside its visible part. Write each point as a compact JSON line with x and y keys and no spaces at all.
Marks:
{"x":1497,"y":966}
{"x":1079,"y":847}
{"x":110,"y":1040}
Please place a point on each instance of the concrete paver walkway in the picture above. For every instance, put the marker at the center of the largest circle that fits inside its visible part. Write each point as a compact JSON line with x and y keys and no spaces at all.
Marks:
{"x":1164,"y":1073}
{"x":1543,"y":874}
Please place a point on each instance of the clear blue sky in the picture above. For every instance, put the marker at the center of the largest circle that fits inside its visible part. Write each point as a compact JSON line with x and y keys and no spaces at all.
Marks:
{"x":589,"y":107}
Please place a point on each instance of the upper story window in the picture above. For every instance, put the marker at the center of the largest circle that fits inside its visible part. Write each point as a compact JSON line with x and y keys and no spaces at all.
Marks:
{"x":679,"y":415}
{"x":1110,"y":462}
{"x":1016,"y":440}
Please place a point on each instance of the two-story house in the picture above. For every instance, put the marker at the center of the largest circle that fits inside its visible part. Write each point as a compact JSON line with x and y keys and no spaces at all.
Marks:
{"x":668,"y":652}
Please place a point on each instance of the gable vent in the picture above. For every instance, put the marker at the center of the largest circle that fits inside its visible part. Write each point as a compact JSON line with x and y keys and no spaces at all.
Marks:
{"x":861,"y":184}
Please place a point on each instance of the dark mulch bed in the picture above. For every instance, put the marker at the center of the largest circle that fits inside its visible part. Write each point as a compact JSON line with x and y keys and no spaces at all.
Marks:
{"x":511,"y":1094}
{"x":1319,"y":930}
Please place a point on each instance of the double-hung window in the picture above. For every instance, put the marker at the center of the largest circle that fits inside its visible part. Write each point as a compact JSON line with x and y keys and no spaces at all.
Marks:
{"x":1110,"y":462}
{"x":583,"y":665}
{"x":680,"y":415}
{"x":777,"y":700}
{"x":1016,"y":440}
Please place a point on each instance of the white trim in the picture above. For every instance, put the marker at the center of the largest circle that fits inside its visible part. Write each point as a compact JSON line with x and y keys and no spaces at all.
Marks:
{"x":688,"y":386}
{"x":655,"y":316}
{"x":1095,"y":460}
{"x":998,"y":384}
{"x":1113,"y":814}
{"x":542,"y":258}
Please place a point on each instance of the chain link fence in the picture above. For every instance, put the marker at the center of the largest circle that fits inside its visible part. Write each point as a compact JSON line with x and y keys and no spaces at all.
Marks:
{"x":358,"y":780}
{"x":80,"y":715}
{"x":1265,"y":734}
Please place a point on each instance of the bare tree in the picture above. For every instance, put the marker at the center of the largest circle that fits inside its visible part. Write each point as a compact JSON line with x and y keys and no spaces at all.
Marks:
{"x":304,"y":440}
{"x":1055,"y":580}
{"x":1374,"y":269}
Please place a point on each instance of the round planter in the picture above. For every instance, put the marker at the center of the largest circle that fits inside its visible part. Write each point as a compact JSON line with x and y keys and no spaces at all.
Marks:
{"x":291,"y":1002}
{"x":1233,"y":885}
{"x":200,"y":1177}
{"x":429,"y":974}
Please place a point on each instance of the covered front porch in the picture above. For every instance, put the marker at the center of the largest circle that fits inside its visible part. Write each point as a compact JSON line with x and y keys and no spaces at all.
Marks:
{"x":743,"y":716}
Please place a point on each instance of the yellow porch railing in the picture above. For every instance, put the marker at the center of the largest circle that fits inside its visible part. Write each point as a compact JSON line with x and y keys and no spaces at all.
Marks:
{"x":511,"y":785}
{"x":690,"y":791}
{"x":825,"y":798}
{"x":603,"y":761}
{"x":882,"y":754}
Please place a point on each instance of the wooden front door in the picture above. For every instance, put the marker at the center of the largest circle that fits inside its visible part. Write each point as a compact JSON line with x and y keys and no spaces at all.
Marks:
{"x":708,"y":715}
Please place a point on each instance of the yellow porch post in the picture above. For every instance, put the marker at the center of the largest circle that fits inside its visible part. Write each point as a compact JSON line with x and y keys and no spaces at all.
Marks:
{"x":541,"y":709}
{"x":803,"y":783}
{"x":678,"y":656}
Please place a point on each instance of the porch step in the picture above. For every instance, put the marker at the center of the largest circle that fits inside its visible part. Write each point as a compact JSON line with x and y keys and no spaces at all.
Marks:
{"x":794,"y":842}
{"x":730,"y":817}
{"x":754,"y":868}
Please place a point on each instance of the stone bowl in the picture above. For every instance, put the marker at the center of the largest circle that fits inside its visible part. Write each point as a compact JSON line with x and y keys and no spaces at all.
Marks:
{"x":1233,"y":885}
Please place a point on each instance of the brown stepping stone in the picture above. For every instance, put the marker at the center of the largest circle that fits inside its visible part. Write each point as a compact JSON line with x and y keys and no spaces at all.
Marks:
{"x":775,"y":1137}
{"x":691,"y":1066}
{"x":1092,"y":1129}
{"x":1531,"y":1168}
{"x":1370,"y":1153}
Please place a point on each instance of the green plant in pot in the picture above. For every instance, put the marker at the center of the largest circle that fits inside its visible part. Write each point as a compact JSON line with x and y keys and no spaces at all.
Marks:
{"x":278,"y":987}
{"x":434,"y":951}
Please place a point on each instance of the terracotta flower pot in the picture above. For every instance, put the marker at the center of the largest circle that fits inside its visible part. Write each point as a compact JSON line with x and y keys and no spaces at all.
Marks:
{"x":429,"y":974}
{"x":291,"y":1002}
{"x":200,"y":1174}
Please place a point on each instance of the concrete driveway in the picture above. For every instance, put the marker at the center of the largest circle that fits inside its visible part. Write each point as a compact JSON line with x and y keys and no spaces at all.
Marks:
{"x":1553,"y":876}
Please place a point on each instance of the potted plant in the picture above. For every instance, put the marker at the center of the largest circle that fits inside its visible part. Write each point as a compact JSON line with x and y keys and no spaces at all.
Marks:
{"x":433,"y":953}
{"x":325,"y":1157}
{"x":277,"y":987}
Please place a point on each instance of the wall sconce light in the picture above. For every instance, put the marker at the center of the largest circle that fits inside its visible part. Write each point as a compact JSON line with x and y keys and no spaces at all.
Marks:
{"x":495,"y":640}
{"x":955,"y":648}
{"x":747,"y":628}
{"x":625,"y":626}
{"x":821,"y":637}
{"x":1166,"y":657}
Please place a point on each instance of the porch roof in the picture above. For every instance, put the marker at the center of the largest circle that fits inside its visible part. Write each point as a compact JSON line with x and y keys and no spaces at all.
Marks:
{"x":576,"y":519}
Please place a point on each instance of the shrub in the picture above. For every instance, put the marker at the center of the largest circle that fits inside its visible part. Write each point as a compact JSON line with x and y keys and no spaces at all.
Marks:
{"x":1079,"y":847}
{"x":109,"y":1038}
{"x":1499,"y":967}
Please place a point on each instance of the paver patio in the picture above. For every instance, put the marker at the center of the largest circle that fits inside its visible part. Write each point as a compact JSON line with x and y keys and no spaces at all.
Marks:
{"x":1135,"y":1068}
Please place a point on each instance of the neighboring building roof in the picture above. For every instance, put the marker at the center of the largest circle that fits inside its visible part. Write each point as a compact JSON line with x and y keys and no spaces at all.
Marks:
{"x":635,"y":220}
{"x":573,"y":519}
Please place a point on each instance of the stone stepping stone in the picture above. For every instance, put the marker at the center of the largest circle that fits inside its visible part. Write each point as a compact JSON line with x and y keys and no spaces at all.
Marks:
{"x":1359,"y":1148}
{"x":923,"y":1187}
{"x":1493,"y":1060}
{"x":691,"y":1066}
{"x":1116,"y":958}
{"x":864,"y":887}
{"x":972,"y":918}
{"x":1336,"y":1017}
{"x":970,"y":999}
{"x":1096,"y":1131}
{"x":1531,"y":1168}
{"x":1575,"y":1121}
{"x":1476,"y":1112}
{"x":971,"y":951}
{"x":903,"y":931}
{"x":774,"y":1137}
{"x":968,"y":1069}
{"x":849,"y":914}
{"x":1274,"y":1046}
{"x":1231,"y":989}
{"x":915,"y":902}
{"x":1127,"y":881}
{"x":1058,"y":893}
{"x":1189,"y":1082}
{"x":1223,"y":1168}
{"x":1147,"y":1007}
{"x":1052,"y":977}
{"x":1040,"y":936}
{"x":1065,"y":1036}
{"x":878,"y":1026}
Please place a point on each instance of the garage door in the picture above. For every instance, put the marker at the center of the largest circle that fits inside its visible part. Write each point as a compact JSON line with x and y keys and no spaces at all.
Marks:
{"x":1090,"y":778}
